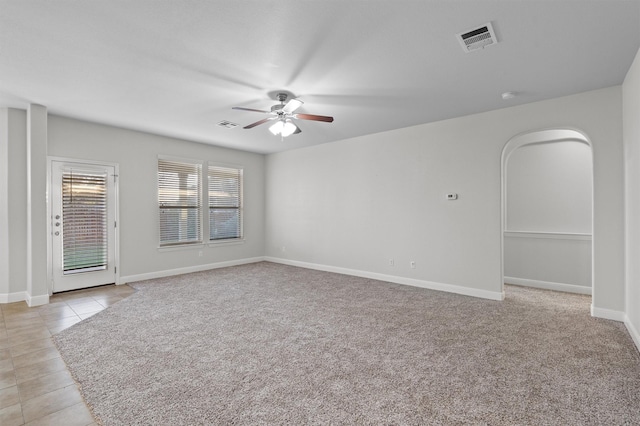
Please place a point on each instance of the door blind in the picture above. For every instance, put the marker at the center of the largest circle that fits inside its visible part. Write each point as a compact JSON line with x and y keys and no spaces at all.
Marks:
{"x":179,"y":197}
{"x":84,"y":221}
{"x":225,"y":203}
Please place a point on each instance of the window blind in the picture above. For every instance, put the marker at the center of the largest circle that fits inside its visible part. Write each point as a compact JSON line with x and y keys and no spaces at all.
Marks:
{"x":84,"y":221}
{"x":179,"y":192}
{"x":225,"y":203}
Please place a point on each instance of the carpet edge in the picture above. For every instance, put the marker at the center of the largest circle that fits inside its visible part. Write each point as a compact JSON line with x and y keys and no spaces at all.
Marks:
{"x":431,"y":285}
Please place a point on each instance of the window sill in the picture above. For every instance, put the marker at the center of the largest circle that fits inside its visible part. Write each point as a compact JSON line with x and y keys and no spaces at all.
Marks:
{"x":218,"y":243}
{"x":180,"y":247}
{"x":200,"y":246}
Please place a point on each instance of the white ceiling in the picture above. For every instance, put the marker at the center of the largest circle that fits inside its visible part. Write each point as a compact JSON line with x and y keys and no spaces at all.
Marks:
{"x":177,"y":67}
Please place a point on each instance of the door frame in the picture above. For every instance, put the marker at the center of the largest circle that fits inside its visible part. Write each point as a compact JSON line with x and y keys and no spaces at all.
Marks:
{"x":116,"y":197}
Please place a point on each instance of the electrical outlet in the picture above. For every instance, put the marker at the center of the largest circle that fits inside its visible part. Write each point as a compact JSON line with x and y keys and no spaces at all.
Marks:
{"x":200,"y":253}
{"x":392,"y":262}
{"x":284,"y":249}
{"x":413,"y":264}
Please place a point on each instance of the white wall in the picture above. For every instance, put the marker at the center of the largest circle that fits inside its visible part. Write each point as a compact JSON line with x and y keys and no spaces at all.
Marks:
{"x":13,"y":203}
{"x":37,"y":292}
{"x":356,"y":203}
{"x":631,"y":125}
{"x":17,"y":200}
{"x":553,"y":261}
{"x":4,"y":203}
{"x":549,"y":201}
{"x":549,"y":188}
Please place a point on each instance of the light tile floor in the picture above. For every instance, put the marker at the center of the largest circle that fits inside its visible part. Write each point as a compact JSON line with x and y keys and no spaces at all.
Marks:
{"x":35,"y":385}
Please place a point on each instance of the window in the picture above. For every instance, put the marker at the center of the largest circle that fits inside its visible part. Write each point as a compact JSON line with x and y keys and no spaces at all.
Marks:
{"x":225,"y":203}
{"x":179,"y":194}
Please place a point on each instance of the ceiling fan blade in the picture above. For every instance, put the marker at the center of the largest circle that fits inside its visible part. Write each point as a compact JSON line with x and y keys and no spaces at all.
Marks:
{"x":257,"y":123}
{"x":312,"y":117}
{"x":251,"y":109}
{"x":292,"y":105}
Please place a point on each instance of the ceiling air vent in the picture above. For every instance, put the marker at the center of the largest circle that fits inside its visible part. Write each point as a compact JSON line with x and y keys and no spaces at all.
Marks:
{"x":477,"y":38}
{"x":227,"y":124}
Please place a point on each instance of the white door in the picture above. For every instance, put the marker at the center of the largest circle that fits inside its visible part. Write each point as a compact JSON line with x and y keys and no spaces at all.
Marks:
{"x":83,"y":206}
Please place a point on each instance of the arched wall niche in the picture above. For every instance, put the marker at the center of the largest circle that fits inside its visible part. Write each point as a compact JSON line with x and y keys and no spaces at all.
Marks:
{"x":578,"y":247}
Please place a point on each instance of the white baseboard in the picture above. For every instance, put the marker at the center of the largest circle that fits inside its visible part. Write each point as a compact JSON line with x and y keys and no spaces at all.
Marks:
{"x":450,"y":288}
{"x":548,"y":285}
{"x":187,"y":270}
{"x":37,"y":300}
{"x":635,"y":335}
{"x":23,"y":296}
{"x":607,"y":314}
{"x":18,"y":296}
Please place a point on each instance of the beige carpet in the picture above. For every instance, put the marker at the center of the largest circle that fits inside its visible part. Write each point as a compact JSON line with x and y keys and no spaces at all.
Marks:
{"x":272,"y":344}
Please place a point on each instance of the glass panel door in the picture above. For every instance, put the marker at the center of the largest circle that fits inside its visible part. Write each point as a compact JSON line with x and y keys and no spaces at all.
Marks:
{"x":83,"y":225}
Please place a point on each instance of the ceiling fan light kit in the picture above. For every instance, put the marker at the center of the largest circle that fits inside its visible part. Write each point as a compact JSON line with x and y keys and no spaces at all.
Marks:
{"x":276,"y":128}
{"x":284,"y":128}
{"x":283,"y":113}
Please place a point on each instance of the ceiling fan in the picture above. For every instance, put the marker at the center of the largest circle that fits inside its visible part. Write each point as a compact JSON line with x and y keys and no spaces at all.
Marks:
{"x":283,"y":115}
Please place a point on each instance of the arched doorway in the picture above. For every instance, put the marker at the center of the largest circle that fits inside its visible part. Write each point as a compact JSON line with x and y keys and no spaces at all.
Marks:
{"x":547,"y":206}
